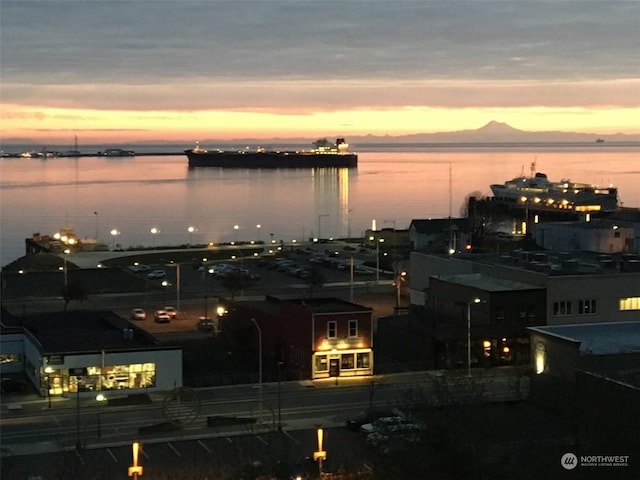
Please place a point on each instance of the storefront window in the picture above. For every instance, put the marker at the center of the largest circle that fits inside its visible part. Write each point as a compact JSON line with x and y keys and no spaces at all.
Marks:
{"x":116,"y":377}
{"x":346,"y":361}
{"x":321,"y":363}
{"x":363,"y":360}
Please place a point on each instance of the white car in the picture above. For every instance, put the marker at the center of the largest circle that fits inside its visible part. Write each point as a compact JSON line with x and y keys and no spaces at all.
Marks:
{"x":138,"y":314}
{"x":172,"y":312}
{"x":161,"y":317}
{"x":157,"y":274}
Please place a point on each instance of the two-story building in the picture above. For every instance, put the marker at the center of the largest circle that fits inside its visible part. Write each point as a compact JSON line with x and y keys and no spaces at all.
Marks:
{"x":312,"y":337}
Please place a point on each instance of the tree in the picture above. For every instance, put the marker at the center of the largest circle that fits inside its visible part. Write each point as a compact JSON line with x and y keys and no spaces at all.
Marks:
{"x":74,"y":290}
{"x":315,"y":280}
{"x":235,"y":282}
{"x":484,"y":222}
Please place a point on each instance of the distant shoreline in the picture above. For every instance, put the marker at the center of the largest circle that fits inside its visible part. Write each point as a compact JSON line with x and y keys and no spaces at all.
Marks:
{"x":44,"y":153}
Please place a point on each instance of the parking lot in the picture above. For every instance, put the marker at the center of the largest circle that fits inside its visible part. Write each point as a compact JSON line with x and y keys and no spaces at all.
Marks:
{"x":282,"y":453}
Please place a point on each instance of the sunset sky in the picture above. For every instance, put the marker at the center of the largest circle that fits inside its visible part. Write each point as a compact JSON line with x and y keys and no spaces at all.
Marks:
{"x":126,"y":71}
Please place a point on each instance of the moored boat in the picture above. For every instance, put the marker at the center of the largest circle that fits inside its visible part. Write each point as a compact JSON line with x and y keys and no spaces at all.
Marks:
{"x":538,"y":192}
{"x":322,"y":155}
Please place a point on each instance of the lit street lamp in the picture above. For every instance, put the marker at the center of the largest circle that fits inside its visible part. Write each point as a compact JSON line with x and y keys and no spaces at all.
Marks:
{"x":114,"y":233}
{"x":399,"y":279}
{"x":258,"y":226}
{"x":154,"y":231}
{"x":48,"y":371}
{"x":64,"y":257}
{"x":475,"y":300}
{"x":236,"y":228}
{"x":191,"y":230}
{"x":380,"y":240}
{"x":100,"y":398}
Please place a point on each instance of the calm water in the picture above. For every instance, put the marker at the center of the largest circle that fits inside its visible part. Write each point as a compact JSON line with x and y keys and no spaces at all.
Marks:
{"x":392,"y":186}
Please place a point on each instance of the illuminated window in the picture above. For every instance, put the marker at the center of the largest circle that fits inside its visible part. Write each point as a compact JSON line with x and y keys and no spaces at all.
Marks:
{"x":353,"y":328}
{"x":346,"y":361}
{"x":562,"y":308}
{"x":541,"y":358}
{"x":363,"y":360}
{"x":321,"y":363}
{"x":586,"y":307}
{"x":631,"y":303}
{"x":9,"y":358}
{"x":332,"y":329}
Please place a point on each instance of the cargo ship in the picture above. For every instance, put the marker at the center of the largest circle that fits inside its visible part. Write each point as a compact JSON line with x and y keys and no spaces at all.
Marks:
{"x":538,"y":192}
{"x":323,"y":155}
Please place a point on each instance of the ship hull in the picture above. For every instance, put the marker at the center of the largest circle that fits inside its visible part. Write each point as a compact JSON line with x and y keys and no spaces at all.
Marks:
{"x":229,"y":159}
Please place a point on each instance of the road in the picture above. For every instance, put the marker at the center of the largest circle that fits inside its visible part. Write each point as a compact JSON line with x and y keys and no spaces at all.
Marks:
{"x":292,"y":405}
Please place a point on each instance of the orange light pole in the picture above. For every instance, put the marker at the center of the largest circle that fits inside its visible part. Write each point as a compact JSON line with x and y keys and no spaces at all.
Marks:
{"x":320,"y":455}
{"x":135,"y":470}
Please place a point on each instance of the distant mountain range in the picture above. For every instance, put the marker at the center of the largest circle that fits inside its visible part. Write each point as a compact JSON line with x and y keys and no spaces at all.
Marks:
{"x":491,"y":133}
{"x":498,"y":132}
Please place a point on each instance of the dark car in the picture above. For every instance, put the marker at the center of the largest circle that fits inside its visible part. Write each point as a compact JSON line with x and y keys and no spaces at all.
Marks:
{"x":369,"y":417}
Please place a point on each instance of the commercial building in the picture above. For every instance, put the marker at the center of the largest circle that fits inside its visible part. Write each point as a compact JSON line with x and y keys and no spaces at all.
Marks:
{"x":76,"y":352}
{"x":312,"y":338}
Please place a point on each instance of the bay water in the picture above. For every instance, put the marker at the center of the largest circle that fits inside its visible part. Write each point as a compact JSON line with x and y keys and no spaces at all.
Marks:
{"x":392,"y":185}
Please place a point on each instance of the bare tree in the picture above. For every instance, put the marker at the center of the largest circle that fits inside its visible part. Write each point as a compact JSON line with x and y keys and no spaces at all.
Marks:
{"x":74,"y":290}
{"x":316,"y":279}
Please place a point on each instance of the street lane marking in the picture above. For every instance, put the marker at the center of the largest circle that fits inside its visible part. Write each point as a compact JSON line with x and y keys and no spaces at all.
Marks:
{"x":289,"y":435}
{"x":112,"y":455}
{"x":204,"y":446}
{"x":174,"y":449}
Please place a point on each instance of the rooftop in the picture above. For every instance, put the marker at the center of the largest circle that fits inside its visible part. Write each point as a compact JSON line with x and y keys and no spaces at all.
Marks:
{"x":80,"y":331}
{"x":598,"y":338}
{"x":486,"y":282}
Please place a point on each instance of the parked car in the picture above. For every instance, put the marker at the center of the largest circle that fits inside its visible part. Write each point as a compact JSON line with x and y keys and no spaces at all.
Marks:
{"x":369,"y":417}
{"x":206,"y":325}
{"x":161,"y":317}
{"x":157,"y":274}
{"x":139,"y":268}
{"x":172,"y":312}
{"x":138,"y":314}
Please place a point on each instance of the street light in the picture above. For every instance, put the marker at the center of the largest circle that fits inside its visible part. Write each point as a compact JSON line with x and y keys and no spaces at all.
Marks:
{"x":154,"y":231}
{"x":320,"y":224}
{"x":64,"y":257}
{"x":380,"y":240}
{"x":48,"y":371}
{"x":258,"y":226}
{"x":399,"y":279}
{"x":475,"y":300}
{"x":236,"y":228}
{"x":114,"y":233}
{"x":100,"y":398}
{"x":207,"y":275}
{"x":259,"y":368}
{"x":191,"y":229}
{"x":394,"y":242}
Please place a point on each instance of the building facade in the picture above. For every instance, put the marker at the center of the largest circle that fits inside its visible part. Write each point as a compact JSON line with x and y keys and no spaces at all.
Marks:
{"x":87,"y":353}
{"x":309,"y":338}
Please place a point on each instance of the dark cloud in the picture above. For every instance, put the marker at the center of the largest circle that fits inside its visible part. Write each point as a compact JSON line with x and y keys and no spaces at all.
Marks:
{"x":106,"y":40}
